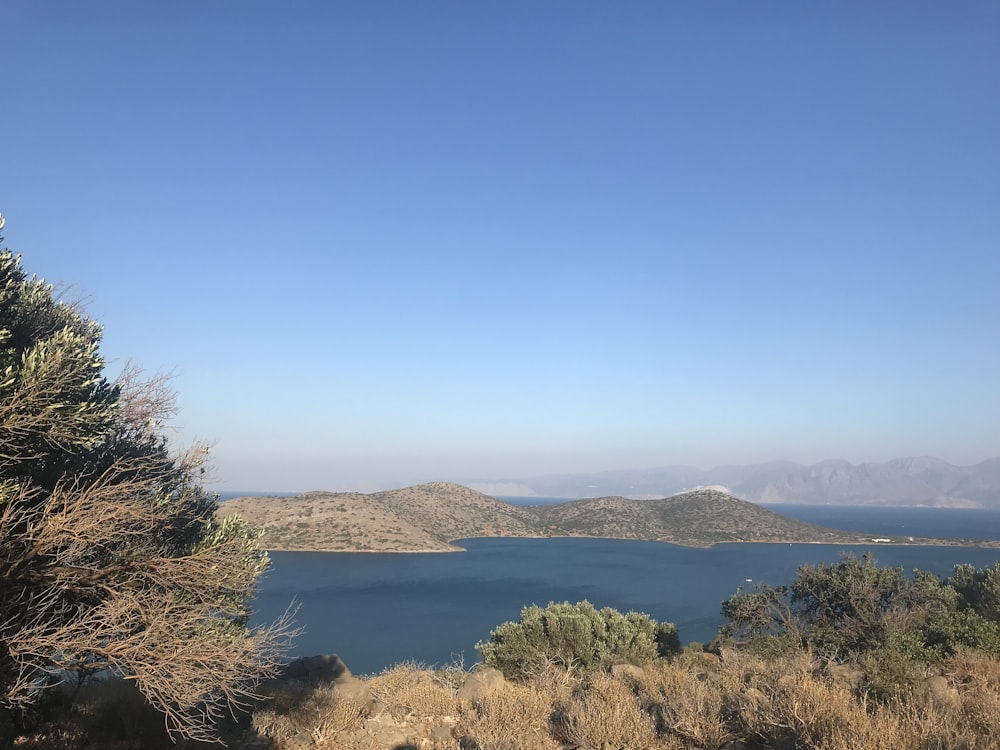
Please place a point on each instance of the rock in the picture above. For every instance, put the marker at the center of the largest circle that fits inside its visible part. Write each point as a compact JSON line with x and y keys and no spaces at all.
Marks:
{"x":480,"y":682}
{"x":325,"y":670}
{"x":940,"y":692}
{"x":329,"y":668}
{"x":352,"y":688}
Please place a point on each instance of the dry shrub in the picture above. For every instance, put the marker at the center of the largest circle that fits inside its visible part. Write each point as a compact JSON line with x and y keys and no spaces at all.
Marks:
{"x":977,"y":678}
{"x":934,"y":726}
{"x":283,"y":697}
{"x":607,"y":715}
{"x":511,"y":717}
{"x":980,"y":714}
{"x":739,"y":669}
{"x":785,"y":703}
{"x":973,"y":668}
{"x":875,"y":728}
{"x":556,"y":680}
{"x":406,"y":690}
{"x":452,"y":675}
{"x":793,"y":710}
{"x":787,"y":706}
{"x":964,"y":715}
{"x":686,"y":701}
{"x":329,"y":720}
{"x":279,"y":728}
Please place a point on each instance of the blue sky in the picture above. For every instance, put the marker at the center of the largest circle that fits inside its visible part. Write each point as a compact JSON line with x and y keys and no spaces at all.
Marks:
{"x":387,"y":242}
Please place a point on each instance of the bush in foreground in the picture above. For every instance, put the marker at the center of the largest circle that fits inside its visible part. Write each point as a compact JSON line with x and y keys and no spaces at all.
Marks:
{"x":688,"y":702}
{"x":110,"y":555}
{"x":685,"y":703}
{"x":577,"y":637}
{"x":854,"y":608}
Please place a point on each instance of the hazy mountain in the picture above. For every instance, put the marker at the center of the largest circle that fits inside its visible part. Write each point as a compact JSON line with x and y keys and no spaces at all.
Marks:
{"x":902,"y":481}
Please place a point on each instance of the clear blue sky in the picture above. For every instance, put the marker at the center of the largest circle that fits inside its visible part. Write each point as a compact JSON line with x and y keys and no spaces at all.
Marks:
{"x":387,"y":242}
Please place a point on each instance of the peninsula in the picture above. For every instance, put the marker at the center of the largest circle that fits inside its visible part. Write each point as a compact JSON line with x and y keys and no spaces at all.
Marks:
{"x":430,"y":517}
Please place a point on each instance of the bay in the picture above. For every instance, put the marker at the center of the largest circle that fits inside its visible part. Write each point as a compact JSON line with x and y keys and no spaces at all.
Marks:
{"x":376,"y":610}
{"x":950,"y":523}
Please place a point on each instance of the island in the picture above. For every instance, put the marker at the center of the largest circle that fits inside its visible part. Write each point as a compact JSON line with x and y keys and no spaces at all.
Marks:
{"x":431,"y":517}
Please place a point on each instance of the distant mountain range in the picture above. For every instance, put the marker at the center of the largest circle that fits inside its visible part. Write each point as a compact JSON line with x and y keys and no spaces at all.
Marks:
{"x":921,"y":481}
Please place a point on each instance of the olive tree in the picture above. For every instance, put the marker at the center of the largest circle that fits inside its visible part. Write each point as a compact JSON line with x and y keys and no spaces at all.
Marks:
{"x":110,"y":554}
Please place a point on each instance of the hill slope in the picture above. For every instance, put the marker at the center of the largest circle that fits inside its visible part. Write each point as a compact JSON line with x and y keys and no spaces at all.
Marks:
{"x":696,"y":518}
{"x":426,"y":518}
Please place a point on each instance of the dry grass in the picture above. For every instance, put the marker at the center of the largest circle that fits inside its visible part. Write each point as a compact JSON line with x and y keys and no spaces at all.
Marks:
{"x":405,"y":691}
{"x":512,"y":717}
{"x":452,"y":675}
{"x":320,"y":717}
{"x":606,"y":714}
{"x":686,"y":699}
{"x":972,"y":718}
{"x":556,"y":680}
{"x":689,"y":703}
{"x":796,"y":709}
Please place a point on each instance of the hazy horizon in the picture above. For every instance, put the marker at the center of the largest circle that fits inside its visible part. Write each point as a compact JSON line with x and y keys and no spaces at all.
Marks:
{"x":385,"y":243}
{"x":498,"y":481}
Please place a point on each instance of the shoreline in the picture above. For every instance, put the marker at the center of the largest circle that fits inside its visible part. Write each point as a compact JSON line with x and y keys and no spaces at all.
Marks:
{"x":920,"y":542}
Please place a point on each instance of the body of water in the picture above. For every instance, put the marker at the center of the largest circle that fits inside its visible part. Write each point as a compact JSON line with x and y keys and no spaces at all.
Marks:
{"x":376,"y":610}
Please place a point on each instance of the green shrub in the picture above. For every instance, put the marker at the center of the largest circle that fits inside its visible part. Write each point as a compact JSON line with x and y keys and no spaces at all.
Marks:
{"x":890,"y":625}
{"x":965,"y":628}
{"x":978,"y":589}
{"x":576,"y":636}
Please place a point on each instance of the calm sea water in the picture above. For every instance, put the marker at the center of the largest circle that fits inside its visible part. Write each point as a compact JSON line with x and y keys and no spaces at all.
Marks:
{"x":376,"y":610}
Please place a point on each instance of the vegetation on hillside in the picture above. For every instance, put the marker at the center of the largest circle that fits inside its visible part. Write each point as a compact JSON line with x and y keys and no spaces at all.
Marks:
{"x":581,"y":678}
{"x":111,"y":559}
{"x":697,"y":518}
{"x":892,"y":624}
{"x":429,"y":517}
{"x":425,"y":518}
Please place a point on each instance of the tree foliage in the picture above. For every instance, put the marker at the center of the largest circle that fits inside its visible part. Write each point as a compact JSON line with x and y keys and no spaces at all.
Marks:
{"x":576,"y":636}
{"x":110,"y":555}
{"x":978,"y":589}
{"x":854,"y":607}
